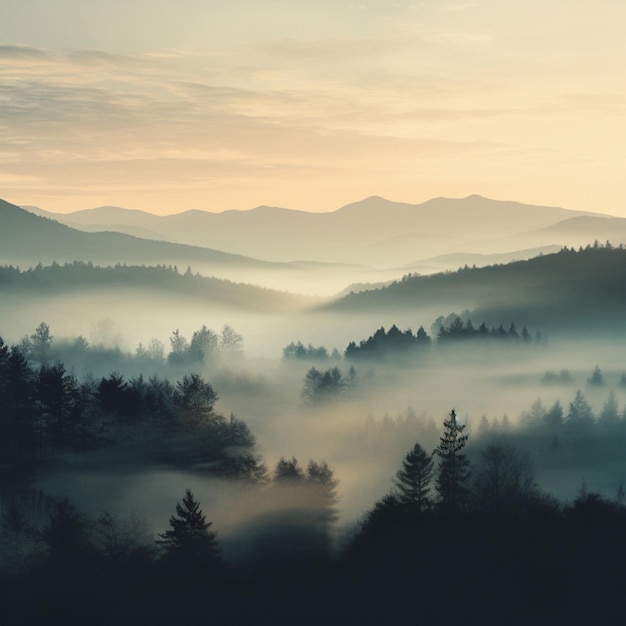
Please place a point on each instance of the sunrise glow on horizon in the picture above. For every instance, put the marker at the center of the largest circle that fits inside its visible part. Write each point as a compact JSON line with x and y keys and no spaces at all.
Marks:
{"x":311,"y":105}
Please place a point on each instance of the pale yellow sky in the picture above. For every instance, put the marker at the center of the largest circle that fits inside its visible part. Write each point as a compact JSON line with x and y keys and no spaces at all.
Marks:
{"x":166,"y":106}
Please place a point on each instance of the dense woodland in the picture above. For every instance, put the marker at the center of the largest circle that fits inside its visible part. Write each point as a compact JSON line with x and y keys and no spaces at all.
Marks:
{"x":45,"y":411}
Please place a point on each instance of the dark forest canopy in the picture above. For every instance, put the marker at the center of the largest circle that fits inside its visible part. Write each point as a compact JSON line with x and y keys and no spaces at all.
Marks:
{"x":46,"y":410}
{"x":396,"y":342}
{"x":516,"y":550}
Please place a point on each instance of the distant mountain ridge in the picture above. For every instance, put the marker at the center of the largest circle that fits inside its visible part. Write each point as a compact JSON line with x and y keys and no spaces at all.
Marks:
{"x":374,"y":231}
{"x":23,"y":234}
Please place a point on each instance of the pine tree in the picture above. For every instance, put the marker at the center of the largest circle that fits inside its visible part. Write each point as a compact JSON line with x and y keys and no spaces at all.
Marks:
{"x":189,"y":536}
{"x":453,"y":472}
{"x":580,"y":414}
{"x":288,"y":472}
{"x":321,"y":493}
{"x":610,"y":414}
{"x":596,"y":379}
{"x":413,"y":480}
{"x":322,"y":486}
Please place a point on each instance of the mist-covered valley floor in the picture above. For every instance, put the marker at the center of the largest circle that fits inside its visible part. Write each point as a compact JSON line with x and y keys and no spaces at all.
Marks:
{"x":291,"y":426}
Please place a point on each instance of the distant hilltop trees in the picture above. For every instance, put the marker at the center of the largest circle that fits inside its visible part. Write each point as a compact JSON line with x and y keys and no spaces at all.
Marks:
{"x":392,"y":341}
{"x":395,"y":342}
{"x":204,"y":348}
{"x":300,"y":351}
{"x":458,"y":330}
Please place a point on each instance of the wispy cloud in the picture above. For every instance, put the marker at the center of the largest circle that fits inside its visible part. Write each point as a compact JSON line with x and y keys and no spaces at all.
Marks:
{"x":381,"y":96}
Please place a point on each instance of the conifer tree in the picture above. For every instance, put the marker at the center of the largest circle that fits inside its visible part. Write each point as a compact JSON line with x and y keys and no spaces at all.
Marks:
{"x":413,"y":480}
{"x":189,"y":536}
{"x":453,"y":472}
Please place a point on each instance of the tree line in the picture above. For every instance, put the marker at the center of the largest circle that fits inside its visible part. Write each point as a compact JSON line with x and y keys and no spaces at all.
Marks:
{"x":206,"y":346}
{"x":397,"y":343}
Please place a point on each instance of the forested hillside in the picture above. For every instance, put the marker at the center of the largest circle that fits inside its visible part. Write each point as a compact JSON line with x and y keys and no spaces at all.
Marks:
{"x":566,"y":290}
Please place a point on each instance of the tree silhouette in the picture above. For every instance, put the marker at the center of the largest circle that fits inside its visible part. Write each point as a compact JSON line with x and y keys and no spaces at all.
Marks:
{"x":320,"y":386}
{"x":203,"y":346}
{"x":610,"y":414}
{"x":195,"y":397}
{"x":553,"y":419}
{"x":231,"y":342}
{"x":323,"y":487}
{"x":180,"y":347}
{"x":288,"y":471}
{"x":597,"y":378}
{"x":413,"y":480}
{"x":580,"y":414}
{"x":504,"y":484}
{"x":189,"y":537}
{"x":57,"y":394}
{"x":321,"y":496}
{"x":67,"y":533}
{"x":453,"y":472}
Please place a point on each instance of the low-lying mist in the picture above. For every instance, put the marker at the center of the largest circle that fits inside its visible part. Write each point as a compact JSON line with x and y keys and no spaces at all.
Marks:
{"x":364,"y":430}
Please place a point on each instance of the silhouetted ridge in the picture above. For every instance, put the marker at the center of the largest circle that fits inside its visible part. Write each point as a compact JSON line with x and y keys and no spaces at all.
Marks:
{"x":372,"y":231}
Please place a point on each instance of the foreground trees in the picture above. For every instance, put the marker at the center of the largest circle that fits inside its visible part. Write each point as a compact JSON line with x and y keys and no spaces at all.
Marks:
{"x":189,"y":538}
{"x":413,"y":480}
{"x":453,"y":471}
{"x":503,"y":484}
{"x":549,"y":564}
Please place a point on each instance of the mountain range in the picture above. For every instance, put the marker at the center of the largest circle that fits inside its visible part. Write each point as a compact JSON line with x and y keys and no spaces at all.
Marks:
{"x":27,"y":239}
{"x":550,"y":290}
{"x":374,"y":232}
{"x":371,"y":241}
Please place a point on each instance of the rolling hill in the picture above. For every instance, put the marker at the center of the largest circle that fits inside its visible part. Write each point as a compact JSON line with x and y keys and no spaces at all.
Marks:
{"x":562,"y":291}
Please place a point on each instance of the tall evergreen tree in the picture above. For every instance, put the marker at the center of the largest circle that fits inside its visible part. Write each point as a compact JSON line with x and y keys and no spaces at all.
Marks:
{"x":597,"y":378}
{"x":580,"y":414}
{"x":413,"y":480}
{"x":553,"y":419}
{"x":195,"y":398}
{"x":453,"y":471}
{"x":322,"y":486}
{"x":610,"y":414}
{"x":189,"y":537}
{"x":321,"y":494}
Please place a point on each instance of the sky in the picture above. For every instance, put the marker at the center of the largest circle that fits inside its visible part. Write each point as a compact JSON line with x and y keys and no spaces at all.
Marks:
{"x":212,"y":104}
